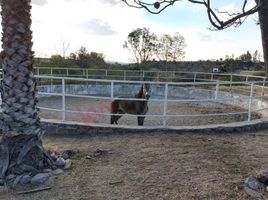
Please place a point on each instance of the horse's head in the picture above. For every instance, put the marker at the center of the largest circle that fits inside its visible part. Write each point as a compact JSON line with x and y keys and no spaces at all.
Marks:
{"x":146,"y":90}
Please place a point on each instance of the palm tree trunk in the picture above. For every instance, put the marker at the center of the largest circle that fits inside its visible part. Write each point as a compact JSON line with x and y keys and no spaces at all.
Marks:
{"x":263,"y":18}
{"x":21,"y":147}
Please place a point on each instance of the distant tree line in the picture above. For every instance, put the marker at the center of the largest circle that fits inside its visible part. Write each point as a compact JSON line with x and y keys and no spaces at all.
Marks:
{"x":82,"y":58}
{"x":245,"y":60}
{"x":146,"y":46}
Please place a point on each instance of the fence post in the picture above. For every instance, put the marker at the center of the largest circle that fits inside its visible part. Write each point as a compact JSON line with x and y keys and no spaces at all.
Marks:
{"x":246,"y":78}
{"x":84,"y":72}
{"x":262,"y":89}
{"x":63,"y":99}
{"x":112,"y":90}
{"x":165,"y":106}
{"x":158,"y":76}
{"x":250,"y":101}
{"x":211,"y":77}
{"x":217,"y":89}
{"x":51,"y":74}
{"x":194,"y":77}
{"x":231,"y":82}
{"x":125,"y":74}
{"x":67,"y":72}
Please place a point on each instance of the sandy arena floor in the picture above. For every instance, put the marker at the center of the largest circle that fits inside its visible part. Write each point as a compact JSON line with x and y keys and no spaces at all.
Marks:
{"x":79,"y":105}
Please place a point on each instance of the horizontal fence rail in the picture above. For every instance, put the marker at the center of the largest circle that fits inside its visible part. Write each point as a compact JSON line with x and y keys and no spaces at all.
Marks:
{"x":246,"y":92}
{"x":171,"y":76}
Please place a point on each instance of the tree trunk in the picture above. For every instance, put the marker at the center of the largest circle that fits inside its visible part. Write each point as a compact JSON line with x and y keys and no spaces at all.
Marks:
{"x":21,"y":147}
{"x":263,"y":18}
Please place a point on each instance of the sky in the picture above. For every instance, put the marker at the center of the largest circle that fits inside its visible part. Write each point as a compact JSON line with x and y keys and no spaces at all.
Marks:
{"x":103,"y":25}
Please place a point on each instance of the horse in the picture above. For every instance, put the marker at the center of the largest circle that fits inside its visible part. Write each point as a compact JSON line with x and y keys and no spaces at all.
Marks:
{"x":136,"y":107}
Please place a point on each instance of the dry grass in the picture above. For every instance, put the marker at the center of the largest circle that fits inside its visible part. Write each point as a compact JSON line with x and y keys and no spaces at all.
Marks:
{"x":156,"y":166}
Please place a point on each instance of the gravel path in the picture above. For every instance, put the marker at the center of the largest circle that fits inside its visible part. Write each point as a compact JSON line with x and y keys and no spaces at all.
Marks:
{"x":79,"y":105}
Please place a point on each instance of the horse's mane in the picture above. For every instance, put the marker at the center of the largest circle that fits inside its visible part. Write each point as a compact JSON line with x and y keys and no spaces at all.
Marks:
{"x":140,"y":93}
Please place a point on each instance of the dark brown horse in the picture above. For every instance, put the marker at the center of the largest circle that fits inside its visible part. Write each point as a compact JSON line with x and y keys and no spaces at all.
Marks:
{"x":136,"y":107}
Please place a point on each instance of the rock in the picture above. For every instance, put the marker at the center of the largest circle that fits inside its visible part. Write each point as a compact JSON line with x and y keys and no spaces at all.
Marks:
{"x":47,"y":170}
{"x":262,"y":176}
{"x":25,"y":179}
{"x":65,"y":156}
{"x":252,"y":193}
{"x":40,"y":178}
{"x":253,"y":183}
{"x":53,"y":156}
{"x":57,"y":172}
{"x":68,"y":164}
{"x":68,"y":153}
{"x":99,"y":152}
{"x":60,"y":162}
{"x":31,"y":169}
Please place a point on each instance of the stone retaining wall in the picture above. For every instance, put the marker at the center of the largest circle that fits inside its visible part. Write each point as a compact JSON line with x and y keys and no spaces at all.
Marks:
{"x":74,"y":128}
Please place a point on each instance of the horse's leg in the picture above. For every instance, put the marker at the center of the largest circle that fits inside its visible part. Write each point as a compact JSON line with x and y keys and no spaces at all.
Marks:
{"x":117,"y":117}
{"x":114,"y":110}
{"x":113,"y":119}
{"x":140,"y":120}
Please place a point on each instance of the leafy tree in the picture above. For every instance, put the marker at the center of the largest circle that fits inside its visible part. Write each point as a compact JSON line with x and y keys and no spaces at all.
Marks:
{"x":245,"y":57}
{"x":229,"y":64}
{"x":170,"y":48}
{"x":141,"y":44}
{"x":234,"y":19}
{"x":21,"y":147}
{"x":256,"y":57}
{"x":86,"y":59}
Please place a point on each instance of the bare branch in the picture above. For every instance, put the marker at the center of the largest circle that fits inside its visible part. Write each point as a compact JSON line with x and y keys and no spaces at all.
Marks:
{"x":236,"y":19}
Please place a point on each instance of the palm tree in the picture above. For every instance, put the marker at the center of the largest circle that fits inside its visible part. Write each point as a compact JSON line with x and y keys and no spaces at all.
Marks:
{"x":21,"y":147}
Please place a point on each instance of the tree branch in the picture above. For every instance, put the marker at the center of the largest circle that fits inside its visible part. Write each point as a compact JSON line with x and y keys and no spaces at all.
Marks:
{"x":236,"y":19}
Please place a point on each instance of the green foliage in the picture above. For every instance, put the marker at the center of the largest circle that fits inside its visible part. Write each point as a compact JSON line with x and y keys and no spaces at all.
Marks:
{"x":80,"y":59}
{"x":245,"y":57}
{"x":245,"y":60}
{"x":54,"y":61}
{"x":141,"y":44}
{"x":145,"y":46}
{"x":170,"y":48}
{"x":86,"y":59}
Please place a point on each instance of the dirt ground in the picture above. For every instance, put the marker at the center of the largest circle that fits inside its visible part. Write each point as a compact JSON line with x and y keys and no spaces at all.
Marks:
{"x":155,"y":167}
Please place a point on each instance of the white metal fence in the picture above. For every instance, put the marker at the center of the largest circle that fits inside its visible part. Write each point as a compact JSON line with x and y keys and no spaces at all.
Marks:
{"x":220,"y":92}
{"x":165,"y":76}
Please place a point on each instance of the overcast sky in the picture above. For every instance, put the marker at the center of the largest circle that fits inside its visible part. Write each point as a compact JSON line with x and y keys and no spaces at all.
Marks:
{"x":103,"y":25}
